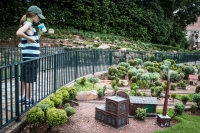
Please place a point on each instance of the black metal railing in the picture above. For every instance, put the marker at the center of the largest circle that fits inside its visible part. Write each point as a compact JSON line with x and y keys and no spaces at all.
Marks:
{"x":56,"y":69}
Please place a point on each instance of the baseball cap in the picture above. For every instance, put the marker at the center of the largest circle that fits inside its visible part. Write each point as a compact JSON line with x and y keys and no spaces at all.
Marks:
{"x":37,"y":10}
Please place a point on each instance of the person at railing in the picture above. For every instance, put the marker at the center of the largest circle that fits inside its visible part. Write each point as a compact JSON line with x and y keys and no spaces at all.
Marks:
{"x":30,"y":50}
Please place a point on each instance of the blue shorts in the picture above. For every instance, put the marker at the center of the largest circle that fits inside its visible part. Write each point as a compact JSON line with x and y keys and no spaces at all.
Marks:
{"x":29,"y":71}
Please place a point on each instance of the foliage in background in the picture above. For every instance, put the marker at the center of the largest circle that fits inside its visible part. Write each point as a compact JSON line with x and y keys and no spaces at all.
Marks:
{"x":151,"y":22}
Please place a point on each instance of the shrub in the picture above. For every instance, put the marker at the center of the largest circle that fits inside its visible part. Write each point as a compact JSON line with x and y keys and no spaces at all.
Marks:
{"x":133,"y":79}
{"x":115,"y":89}
{"x":100,"y":93}
{"x":70,"y":110}
{"x":35,"y":115}
{"x":83,"y":80}
{"x":112,"y":70}
{"x":48,"y":101}
{"x":178,"y":109}
{"x":65,"y":95}
{"x":172,"y":86}
{"x":158,"y":90}
{"x":197,"y":90}
{"x":133,"y":62}
{"x":140,"y":114}
{"x":196,"y":99}
{"x":193,"y":108}
{"x":56,"y":117}
{"x":184,"y":99}
{"x":72,"y":92}
{"x":198,"y":77}
{"x":57,"y":101}
{"x":104,"y":89}
{"x":93,"y":80}
{"x":173,"y":96}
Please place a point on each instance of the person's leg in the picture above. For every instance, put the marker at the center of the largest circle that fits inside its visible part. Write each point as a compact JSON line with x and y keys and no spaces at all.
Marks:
{"x":21,"y":91}
{"x":29,"y":87}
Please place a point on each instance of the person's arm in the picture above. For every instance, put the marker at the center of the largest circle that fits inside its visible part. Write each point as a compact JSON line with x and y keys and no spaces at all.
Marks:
{"x":24,"y":28}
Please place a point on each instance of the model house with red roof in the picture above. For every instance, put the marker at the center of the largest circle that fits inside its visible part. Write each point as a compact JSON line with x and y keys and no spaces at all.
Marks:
{"x":192,"y":79}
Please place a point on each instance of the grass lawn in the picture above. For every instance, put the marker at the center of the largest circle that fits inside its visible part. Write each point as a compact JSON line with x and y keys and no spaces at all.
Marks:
{"x":178,"y":96}
{"x":187,"y":123}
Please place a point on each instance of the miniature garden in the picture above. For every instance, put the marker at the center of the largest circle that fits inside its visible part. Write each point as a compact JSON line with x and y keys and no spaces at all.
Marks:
{"x":72,"y":108}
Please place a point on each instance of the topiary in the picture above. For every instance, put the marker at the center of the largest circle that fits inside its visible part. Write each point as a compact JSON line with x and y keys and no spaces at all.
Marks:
{"x":48,"y":101}
{"x":184,"y":99}
{"x":197,"y":90}
{"x":178,"y":109}
{"x":72,"y":92}
{"x":57,"y":101}
{"x":65,"y":94}
{"x":35,"y":115}
{"x":70,"y":110}
{"x":193,"y":108}
{"x":173,"y":96}
{"x":140,"y":113}
{"x":56,"y":117}
{"x":93,"y":79}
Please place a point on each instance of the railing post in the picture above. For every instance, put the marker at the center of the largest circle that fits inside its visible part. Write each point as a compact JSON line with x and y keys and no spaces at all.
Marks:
{"x":55,"y":67}
{"x":93,"y":61}
{"x":16,"y":91}
{"x":76,"y":65}
{"x":110,"y":57}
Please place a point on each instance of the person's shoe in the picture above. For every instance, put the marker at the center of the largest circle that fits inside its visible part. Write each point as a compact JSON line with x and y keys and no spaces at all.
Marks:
{"x":21,"y":101}
{"x":29,"y":103}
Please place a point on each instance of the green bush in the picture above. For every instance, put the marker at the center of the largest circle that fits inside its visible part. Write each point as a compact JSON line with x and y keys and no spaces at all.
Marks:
{"x":48,"y":101}
{"x":35,"y":115}
{"x":140,"y":113}
{"x":133,"y":62}
{"x":100,"y":92}
{"x":173,"y":96}
{"x":193,"y":108}
{"x":57,"y":101}
{"x":72,"y":92}
{"x":172,"y":86}
{"x":184,"y":99}
{"x":196,"y":99}
{"x":178,"y":109}
{"x":65,"y":95}
{"x":93,"y":79}
{"x":56,"y":117}
{"x":197,"y":90}
{"x":112,"y":70}
{"x":70,"y":110}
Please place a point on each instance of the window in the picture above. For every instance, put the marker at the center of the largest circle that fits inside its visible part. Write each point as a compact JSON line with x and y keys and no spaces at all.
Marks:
{"x":99,"y":116}
{"x":124,"y":106}
{"x":123,"y":120}
{"x":134,"y":107}
{"x":113,"y":121}
{"x":120,"y":121}
{"x":102,"y":117}
{"x":109,"y":120}
{"x":109,"y":107}
{"x":114,"y":108}
{"x":120,"y":108}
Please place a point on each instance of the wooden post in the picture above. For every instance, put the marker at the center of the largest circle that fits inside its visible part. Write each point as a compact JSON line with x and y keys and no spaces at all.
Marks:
{"x":166,"y":99}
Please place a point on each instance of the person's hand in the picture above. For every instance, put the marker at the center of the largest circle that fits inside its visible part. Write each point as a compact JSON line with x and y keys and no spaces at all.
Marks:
{"x":40,"y":31}
{"x":30,"y":40}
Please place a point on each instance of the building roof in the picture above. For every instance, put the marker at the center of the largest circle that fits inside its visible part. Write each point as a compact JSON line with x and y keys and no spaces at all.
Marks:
{"x":143,"y":100}
{"x":117,"y":98}
{"x":193,"y":76}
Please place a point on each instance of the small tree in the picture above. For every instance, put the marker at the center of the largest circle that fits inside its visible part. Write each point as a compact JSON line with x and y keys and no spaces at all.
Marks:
{"x":193,"y":108}
{"x":178,"y":109}
{"x":184,"y":99}
{"x":173,"y":96}
{"x":196,"y":99}
{"x":197,"y":90}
